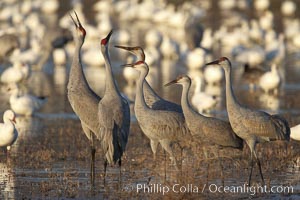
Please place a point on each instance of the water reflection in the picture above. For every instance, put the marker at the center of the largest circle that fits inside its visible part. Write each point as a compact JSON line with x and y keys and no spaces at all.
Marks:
{"x":60,"y":76}
{"x":214,"y":90}
{"x":270,"y":102}
{"x":40,"y":83}
{"x":28,"y":127}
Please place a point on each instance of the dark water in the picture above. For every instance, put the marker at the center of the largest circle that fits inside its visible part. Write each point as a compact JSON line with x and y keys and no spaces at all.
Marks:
{"x":50,"y":159}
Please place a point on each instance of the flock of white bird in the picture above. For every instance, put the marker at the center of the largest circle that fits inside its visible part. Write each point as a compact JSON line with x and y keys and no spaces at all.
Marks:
{"x":255,"y":45}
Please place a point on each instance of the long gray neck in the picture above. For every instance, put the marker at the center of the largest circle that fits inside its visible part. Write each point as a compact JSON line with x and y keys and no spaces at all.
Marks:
{"x":231,"y":101}
{"x":186,"y":106}
{"x":110,"y":84}
{"x":184,"y":97}
{"x":139,"y":98}
{"x":76,"y":72}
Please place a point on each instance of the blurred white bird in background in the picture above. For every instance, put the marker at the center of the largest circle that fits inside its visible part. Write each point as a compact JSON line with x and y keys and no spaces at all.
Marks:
{"x":202,"y":101}
{"x":8,"y":132}
{"x":213,"y":75}
{"x":16,"y":73}
{"x":270,"y":81}
{"x":59,"y":57}
{"x":25,"y":104}
{"x":295,"y":132}
{"x":288,"y":8}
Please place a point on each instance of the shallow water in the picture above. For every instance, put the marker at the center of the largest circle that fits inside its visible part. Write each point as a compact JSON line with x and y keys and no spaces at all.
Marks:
{"x":50,"y":159}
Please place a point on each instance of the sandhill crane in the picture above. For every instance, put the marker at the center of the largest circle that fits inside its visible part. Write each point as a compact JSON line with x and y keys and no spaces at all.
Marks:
{"x":113,"y":115}
{"x":82,"y":98}
{"x":160,"y":126}
{"x":211,"y":130}
{"x":251,"y":125}
{"x":8,"y":131}
{"x":152,"y":99}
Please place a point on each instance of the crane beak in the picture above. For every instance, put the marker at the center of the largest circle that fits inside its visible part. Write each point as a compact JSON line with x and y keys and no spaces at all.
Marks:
{"x":134,"y":64}
{"x":109,"y":34}
{"x":216,"y":62}
{"x":123,"y":47}
{"x":171,"y":83}
{"x":130,"y":49}
{"x":73,"y":20}
{"x":77,"y":24}
{"x":127,"y":65}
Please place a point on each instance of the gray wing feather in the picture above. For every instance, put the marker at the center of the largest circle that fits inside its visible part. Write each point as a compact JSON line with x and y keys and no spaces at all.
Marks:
{"x":166,"y":126}
{"x":125,"y":124}
{"x":114,"y":123}
{"x":282,"y":127}
{"x":261,"y":124}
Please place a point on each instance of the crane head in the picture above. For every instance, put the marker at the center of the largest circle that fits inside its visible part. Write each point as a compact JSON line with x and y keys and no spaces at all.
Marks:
{"x":180,"y":79}
{"x":217,"y":62}
{"x":223,"y":61}
{"x":134,"y":65}
{"x":78,"y":25}
{"x":105,"y":40}
{"x":139,"y":65}
{"x":137,"y":51}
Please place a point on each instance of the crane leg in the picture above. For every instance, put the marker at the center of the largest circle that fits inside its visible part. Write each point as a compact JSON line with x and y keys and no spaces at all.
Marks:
{"x":93,"y":152}
{"x":207,"y":173}
{"x":259,"y":166}
{"x":105,"y":166}
{"x":89,"y":135}
{"x":167,"y":146}
{"x":120,"y":172}
{"x":205,"y":153}
{"x":251,"y":169}
{"x":251,"y":144}
{"x":165,"y":165}
{"x":154,"y":145}
{"x":221,"y":166}
{"x":181,"y":157}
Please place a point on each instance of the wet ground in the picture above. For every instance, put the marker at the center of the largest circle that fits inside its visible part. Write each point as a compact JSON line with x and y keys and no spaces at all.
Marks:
{"x":51,"y":158}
